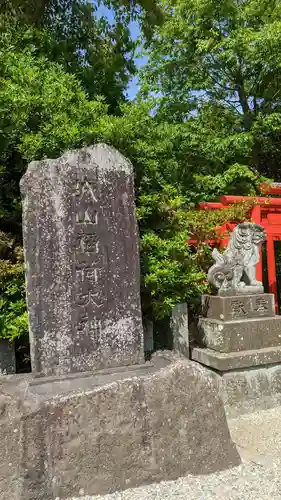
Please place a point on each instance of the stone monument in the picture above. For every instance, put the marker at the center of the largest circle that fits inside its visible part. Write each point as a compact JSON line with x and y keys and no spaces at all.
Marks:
{"x":120,"y":424}
{"x":238,"y":329}
{"x":82,"y":265}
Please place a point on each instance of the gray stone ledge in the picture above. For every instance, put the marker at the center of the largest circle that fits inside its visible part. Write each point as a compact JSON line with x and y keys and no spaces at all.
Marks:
{"x":235,"y":360}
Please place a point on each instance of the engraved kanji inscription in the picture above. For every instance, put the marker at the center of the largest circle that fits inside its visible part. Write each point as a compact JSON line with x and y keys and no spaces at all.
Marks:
{"x":88,"y":275}
{"x":261,"y":305}
{"x":86,"y":204}
{"x":83,"y":275}
{"x":86,"y":242}
{"x":84,"y":299}
{"x":238,"y":308}
{"x":91,"y":274}
{"x":89,"y":326}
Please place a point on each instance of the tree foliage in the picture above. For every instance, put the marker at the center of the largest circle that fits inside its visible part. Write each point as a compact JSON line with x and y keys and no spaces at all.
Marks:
{"x":206,"y":123}
{"x":98,"y":53}
{"x":168,"y":188}
{"x":71,"y":32}
{"x":46,"y":111}
{"x":222,"y":61}
{"x":43,"y":111}
{"x":13,"y":314}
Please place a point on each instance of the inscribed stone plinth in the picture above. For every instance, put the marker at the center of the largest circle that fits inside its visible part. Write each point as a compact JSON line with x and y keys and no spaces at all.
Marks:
{"x":239,"y":323}
{"x":82,"y":262}
{"x":238,"y":307}
{"x":101,"y":433}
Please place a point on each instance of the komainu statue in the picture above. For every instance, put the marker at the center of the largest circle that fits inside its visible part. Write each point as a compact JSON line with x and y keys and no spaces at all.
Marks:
{"x":234,"y":271}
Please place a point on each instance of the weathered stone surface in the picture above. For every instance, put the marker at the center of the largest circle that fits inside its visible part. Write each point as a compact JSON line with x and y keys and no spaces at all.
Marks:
{"x":181,"y":403}
{"x":236,"y":360}
{"x":101,"y":433}
{"x":246,"y":290}
{"x":148,"y":337}
{"x":7,"y":357}
{"x":179,"y":328}
{"x":10,"y":456}
{"x":82,"y":262}
{"x":234,"y":271}
{"x":232,"y":336}
{"x":249,"y":390}
{"x":238,"y":307}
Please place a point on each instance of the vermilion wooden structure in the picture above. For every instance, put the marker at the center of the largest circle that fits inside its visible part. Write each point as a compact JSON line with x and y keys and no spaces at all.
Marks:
{"x":267,"y":213}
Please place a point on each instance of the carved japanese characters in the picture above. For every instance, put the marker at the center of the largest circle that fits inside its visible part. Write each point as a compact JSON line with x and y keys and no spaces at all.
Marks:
{"x":234,"y":271}
{"x":82,"y":262}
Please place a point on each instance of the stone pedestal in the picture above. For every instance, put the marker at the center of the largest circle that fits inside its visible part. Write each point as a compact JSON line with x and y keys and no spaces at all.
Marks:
{"x":239,"y":324}
{"x":239,"y":334}
{"x":92,"y":434}
{"x":238,"y":307}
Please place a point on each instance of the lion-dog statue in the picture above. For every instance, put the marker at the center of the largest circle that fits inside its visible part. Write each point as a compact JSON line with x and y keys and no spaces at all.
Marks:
{"x":234,"y":271}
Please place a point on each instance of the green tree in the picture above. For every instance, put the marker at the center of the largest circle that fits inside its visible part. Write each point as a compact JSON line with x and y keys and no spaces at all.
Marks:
{"x":100,"y":53}
{"x":44,"y":111}
{"x":221,"y":60}
{"x":180,"y":159}
{"x":13,"y":314}
{"x":168,"y":186}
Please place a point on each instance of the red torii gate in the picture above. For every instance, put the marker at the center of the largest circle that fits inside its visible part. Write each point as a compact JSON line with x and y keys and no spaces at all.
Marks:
{"x":267,"y":213}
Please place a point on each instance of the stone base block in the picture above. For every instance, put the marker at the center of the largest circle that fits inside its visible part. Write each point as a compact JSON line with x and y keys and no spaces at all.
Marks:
{"x":95,"y":434}
{"x":247,"y":381}
{"x":240,"y":335}
{"x":223,"y":362}
{"x":239,"y":307}
{"x":250,"y":390}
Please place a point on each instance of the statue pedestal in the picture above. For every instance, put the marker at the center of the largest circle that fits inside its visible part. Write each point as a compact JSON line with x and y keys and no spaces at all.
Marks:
{"x":239,"y":337}
{"x":238,"y":307}
{"x":240,"y":323}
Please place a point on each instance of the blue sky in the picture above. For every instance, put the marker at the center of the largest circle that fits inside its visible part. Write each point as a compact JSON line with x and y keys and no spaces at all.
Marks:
{"x":140,"y":61}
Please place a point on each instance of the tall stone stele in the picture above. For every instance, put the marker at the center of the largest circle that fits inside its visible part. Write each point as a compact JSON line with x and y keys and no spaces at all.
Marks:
{"x":82,"y":262}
